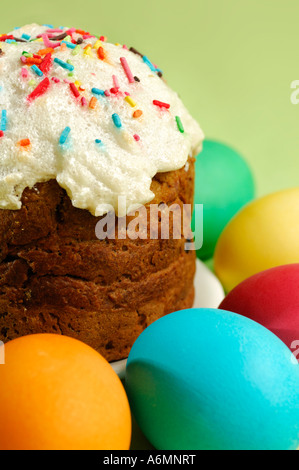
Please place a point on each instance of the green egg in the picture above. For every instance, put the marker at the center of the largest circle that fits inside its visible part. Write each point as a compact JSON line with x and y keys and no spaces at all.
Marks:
{"x":223,"y":184}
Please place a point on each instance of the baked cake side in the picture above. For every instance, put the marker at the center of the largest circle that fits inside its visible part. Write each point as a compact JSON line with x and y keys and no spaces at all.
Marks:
{"x":56,"y":276}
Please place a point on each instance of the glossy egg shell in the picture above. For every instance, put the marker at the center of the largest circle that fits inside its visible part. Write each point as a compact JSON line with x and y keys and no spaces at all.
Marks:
{"x":271,"y":298}
{"x":210,"y":379}
{"x":223,"y":184}
{"x":264,"y":234}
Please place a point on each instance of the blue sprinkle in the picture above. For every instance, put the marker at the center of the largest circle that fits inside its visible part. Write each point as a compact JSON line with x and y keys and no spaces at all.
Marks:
{"x":11,"y":41}
{"x":64,"y":65}
{"x":37,"y":70}
{"x":64,"y":135}
{"x":69,"y":44}
{"x":26,"y":36}
{"x":116,"y":120}
{"x":148,"y":62}
{"x":3,"y":125}
{"x":98,"y":141}
{"x":97,"y":91}
{"x":49,"y":26}
{"x":17,"y":27}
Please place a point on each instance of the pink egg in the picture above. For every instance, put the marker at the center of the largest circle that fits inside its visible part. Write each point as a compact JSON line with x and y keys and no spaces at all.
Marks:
{"x":270,"y":298}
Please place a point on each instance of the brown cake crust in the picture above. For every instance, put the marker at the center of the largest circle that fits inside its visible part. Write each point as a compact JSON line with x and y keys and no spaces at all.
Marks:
{"x":57,"y":277}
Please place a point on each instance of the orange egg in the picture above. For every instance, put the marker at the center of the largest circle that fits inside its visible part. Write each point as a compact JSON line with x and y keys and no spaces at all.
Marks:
{"x":56,"y":393}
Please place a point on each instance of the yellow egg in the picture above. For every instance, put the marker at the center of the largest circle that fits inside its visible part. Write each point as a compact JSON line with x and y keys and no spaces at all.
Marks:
{"x":263,"y":235}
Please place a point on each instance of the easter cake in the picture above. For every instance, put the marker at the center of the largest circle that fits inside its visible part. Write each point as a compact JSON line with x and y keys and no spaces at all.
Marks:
{"x":83,"y":125}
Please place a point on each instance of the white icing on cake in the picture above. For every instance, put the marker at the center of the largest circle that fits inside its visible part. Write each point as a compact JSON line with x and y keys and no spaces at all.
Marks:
{"x":93,"y":175}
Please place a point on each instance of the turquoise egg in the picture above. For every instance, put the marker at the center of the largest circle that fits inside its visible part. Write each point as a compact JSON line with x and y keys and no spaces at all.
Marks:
{"x":223,"y":184}
{"x":206,"y":379}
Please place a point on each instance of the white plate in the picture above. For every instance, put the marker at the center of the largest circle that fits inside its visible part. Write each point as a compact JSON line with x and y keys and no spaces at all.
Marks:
{"x":209,"y":293}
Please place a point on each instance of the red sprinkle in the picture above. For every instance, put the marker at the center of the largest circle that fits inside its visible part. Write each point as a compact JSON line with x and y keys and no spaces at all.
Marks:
{"x":46,"y":64}
{"x":161,"y":104}
{"x":1,"y":134}
{"x":39,"y":90}
{"x":6,"y":36}
{"x":101,"y":53}
{"x":74,"y":89}
{"x":83,"y":101}
{"x":136,"y":137}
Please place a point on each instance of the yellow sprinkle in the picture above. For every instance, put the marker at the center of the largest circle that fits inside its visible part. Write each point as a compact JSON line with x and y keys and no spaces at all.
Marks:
{"x":117,"y":44}
{"x":97,"y":44}
{"x":87,"y":50}
{"x":131,"y":102}
{"x":77,"y":83}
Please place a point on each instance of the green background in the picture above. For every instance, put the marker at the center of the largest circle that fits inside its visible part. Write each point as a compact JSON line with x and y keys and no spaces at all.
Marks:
{"x":231,"y":61}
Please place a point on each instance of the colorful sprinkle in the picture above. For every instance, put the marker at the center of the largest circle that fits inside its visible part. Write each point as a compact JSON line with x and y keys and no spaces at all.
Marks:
{"x":148,"y":63}
{"x":48,"y":43}
{"x":137,"y":113}
{"x":64,"y":135}
{"x":74,"y":90}
{"x":132,"y":49}
{"x":97,"y":91}
{"x":24,"y":73}
{"x":101,"y":53}
{"x":69,"y":44}
{"x":161,"y":104}
{"x":1,"y":134}
{"x":131,"y":102}
{"x":63,"y":64}
{"x":179,"y":124}
{"x":3,"y":124}
{"x":115,"y":81}
{"x":26,"y":36}
{"x":30,"y":60}
{"x":48,"y":50}
{"x":46,"y":64}
{"x":97,"y":44}
{"x":24,"y":143}
{"x":116,"y":120}
{"x":36,"y":70}
{"x":39,"y":90}
{"x":87,"y":49}
{"x":136,"y":137}
{"x":76,"y":50}
{"x":83,"y":101}
{"x":93,"y":102}
{"x":127,"y":69}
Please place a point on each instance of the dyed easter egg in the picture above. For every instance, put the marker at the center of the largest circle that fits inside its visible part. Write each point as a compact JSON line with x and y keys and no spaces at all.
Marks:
{"x":263,"y":235}
{"x":206,"y":379}
{"x":223,"y":184}
{"x":271,"y":298}
{"x":57,"y":393}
